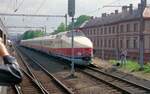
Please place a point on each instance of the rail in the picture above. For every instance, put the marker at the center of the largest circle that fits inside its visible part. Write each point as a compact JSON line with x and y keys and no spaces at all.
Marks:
{"x":58,"y":82}
{"x":115,"y":81}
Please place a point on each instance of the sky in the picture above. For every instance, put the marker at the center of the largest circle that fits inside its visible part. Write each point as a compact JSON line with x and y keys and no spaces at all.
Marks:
{"x":53,"y":7}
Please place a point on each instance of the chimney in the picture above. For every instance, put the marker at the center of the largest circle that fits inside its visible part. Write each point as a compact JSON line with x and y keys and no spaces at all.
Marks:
{"x":124,"y":9}
{"x":104,"y":14}
{"x":116,"y":12}
{"x":131,"y":8}
{"x":112,"y":13}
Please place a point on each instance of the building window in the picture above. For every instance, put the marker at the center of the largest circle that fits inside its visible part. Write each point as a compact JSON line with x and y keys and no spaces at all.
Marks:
{"x":117,"y":29}
{"x":128,"y":44}
{"x":135,"y":27}
{"x":113,"y":43}
{"x":101,"y":43}
{"x":91,"y":31}
{"x":113,"y":29}
{"x":101,"y":30}
{"x":105,"y":30}
{"x":105,"y":43}
{"x":109,"y":30}
{"x":121,"y":28}
{"x":135,"y":43}
{"x":109,"y":43}
{"x":97,"y":32}
{"x":97,"y":42}
{"x":94,"y":31}
{"x":121,"y":44}
{"x":128,"y":27}
{"x":88,"y":33}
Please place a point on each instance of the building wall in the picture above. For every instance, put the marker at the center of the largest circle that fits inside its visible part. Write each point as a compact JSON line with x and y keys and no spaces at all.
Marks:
{"x":108,"y":39}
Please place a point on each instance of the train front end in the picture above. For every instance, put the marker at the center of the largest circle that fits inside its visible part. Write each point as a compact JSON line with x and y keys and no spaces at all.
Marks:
{"x":83,"y":50}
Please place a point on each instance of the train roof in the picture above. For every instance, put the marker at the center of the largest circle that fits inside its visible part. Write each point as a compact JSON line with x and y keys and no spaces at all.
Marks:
{"x":56,"y":36}
{"x":47,"y":37}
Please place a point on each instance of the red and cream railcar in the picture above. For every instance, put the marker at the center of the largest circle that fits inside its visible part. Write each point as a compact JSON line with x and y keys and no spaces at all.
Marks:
{"x":60,"y":45}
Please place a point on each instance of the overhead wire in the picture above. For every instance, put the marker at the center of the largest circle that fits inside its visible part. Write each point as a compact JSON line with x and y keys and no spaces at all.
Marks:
{"x":100,"y":8}
{"x":42,"y":3}
{"x":19,"y":6}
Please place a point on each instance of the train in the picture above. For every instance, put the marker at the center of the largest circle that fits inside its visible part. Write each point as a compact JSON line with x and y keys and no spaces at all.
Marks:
{"x":60,"y":45}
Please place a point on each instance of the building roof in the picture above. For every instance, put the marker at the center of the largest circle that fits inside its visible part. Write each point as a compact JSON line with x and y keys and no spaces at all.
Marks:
{"x":114,"y":18}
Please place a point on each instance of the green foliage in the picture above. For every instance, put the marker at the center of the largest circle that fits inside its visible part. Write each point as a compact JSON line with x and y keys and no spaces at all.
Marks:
{"x":61,"y":28}
{"x":32,"y":34}
{"x":79,"y":21}
{"x":147,"y":68}
{"x":133,"y":66}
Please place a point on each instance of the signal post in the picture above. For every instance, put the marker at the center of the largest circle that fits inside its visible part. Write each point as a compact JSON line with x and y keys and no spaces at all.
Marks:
{"x":71,"y":13}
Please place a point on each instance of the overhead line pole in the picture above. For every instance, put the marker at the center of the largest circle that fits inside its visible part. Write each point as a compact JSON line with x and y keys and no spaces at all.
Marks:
{"x":71,"y":12}
{"x":141,"y":39}
{"x":66,"y":21}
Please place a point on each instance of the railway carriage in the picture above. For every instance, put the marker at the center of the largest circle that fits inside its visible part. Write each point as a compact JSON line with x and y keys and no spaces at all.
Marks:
{"x":60,"y":45}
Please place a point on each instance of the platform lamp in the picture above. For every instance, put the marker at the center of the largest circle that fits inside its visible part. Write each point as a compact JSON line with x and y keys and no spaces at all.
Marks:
{"x":71,"y":13}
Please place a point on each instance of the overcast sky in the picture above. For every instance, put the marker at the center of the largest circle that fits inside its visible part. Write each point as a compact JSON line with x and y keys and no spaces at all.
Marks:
{"x":54,"y":7}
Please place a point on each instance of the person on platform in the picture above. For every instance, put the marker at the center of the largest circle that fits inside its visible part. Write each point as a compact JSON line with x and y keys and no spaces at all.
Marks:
{"x":123,"y":57}
{"x":10,"y":73}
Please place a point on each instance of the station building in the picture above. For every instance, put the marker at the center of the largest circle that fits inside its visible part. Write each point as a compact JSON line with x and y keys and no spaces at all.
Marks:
{"x":118,"y":31}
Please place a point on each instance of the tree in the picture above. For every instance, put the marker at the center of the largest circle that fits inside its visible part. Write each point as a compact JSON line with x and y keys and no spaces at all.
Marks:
{"x":79,"y":21}
{"x":32,"y":34}
{"x":61,"y":28}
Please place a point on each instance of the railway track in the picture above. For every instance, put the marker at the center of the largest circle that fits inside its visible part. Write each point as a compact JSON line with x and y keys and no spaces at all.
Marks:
{"x":116,"y":82}
{"x":45,"y":81}
{"x":81,"y":90}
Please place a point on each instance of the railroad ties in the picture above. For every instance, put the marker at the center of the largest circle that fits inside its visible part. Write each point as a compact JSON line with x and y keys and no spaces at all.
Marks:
{"x":37,"y":80}
{"x":123,"y":85}
{"x":90,"y":80}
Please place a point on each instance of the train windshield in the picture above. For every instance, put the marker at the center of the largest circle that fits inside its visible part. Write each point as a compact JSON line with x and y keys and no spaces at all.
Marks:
{"x":76,"y":33}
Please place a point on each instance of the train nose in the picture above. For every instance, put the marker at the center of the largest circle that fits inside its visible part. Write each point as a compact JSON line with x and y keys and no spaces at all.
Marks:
{"x":88,"y":51}
{"x":86,"y":58}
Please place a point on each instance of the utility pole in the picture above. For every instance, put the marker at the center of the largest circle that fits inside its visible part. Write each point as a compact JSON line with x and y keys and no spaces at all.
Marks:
{"x":66,"y":21}
{"x":45,"y":30}
{"x":71,"y":12}
{"x":141,"y":39}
